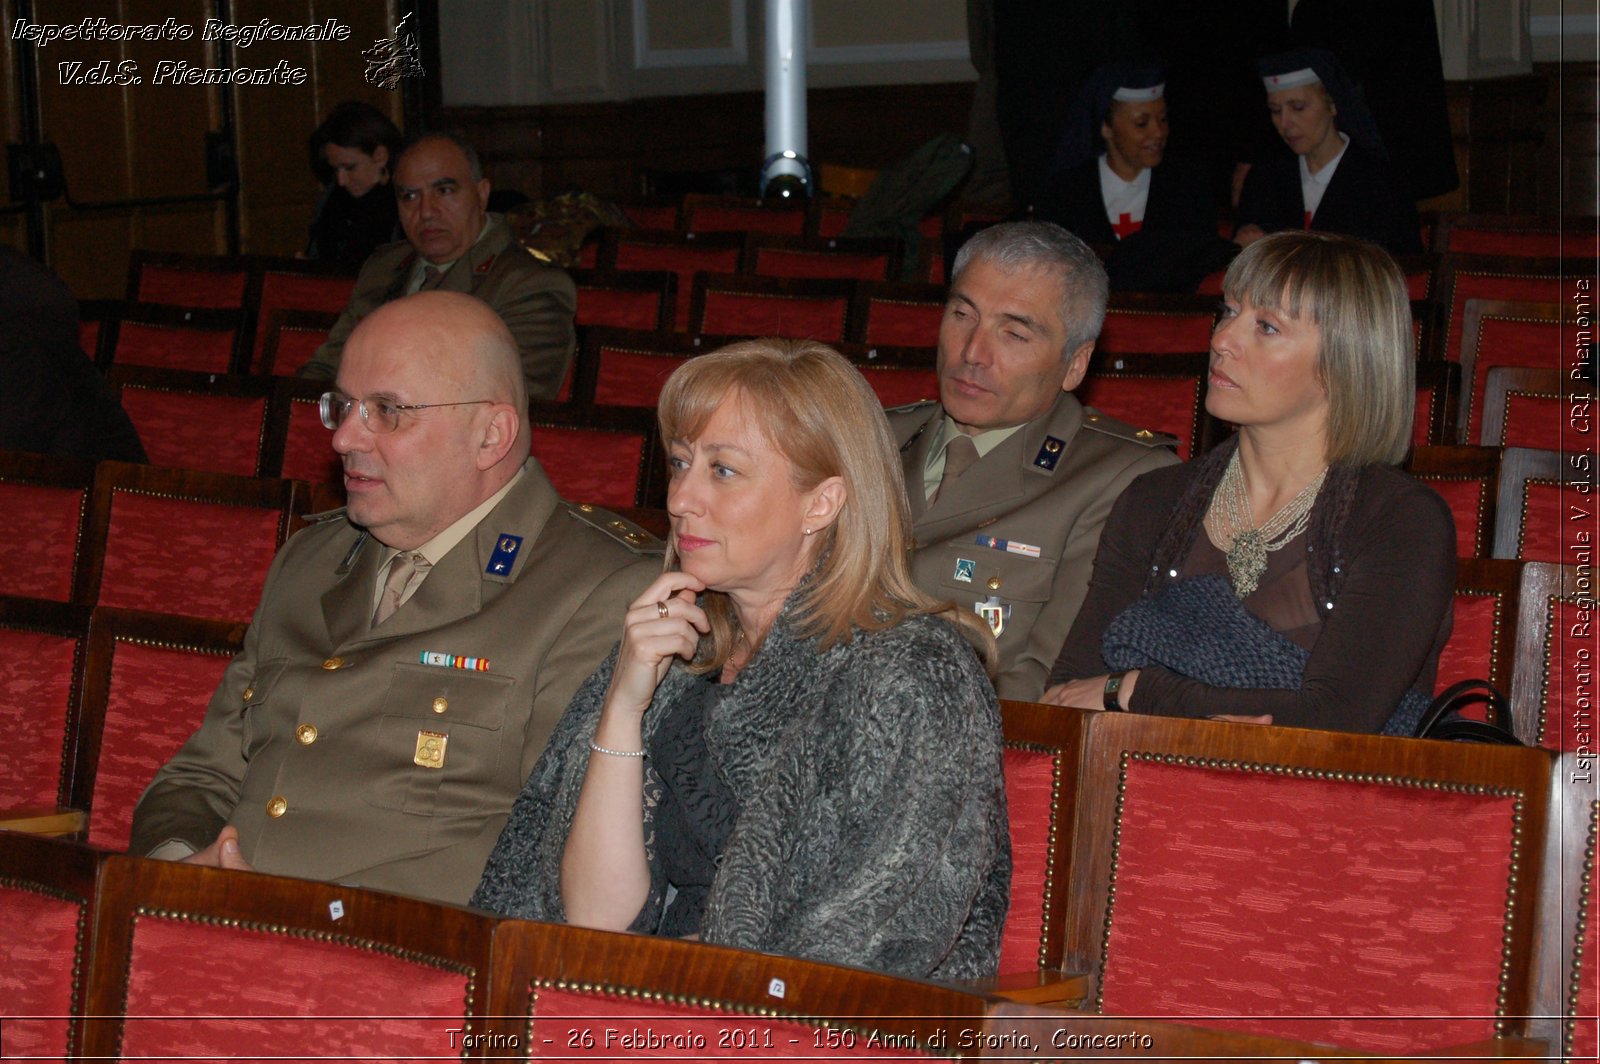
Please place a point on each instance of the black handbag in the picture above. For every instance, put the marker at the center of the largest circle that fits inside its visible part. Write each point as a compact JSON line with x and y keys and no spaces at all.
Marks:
{"x":1443,"y":720}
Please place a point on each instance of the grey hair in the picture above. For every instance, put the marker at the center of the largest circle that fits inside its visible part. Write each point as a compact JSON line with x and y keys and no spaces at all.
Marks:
{"x":474,"y":162}
{"x":1085,"y":288}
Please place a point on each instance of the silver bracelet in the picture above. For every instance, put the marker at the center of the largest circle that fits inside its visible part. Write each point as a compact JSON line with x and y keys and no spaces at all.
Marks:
{"x":597,"y":748}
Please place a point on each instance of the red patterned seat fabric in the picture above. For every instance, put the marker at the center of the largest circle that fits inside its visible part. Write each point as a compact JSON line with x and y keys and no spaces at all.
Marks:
{"x":1509,"y":343}
{"x":295,"y":348}
{"x":205,"y":992}
{"x":1522,"y":288}
{"x":1469,"y":653}
{"x":38,"y":966}
{"x":1126,"y":332}
{"x":619,"y":307}
{"x":1565,"y":707}
{"x":741,"y":314}
{"x":898,"y":324}
{"x":899,"y":385}
{"x":1466,"y":497}
{"x":779,"y":262}
{"x":308,"y":450}
{"x":1544,"y":520}
{"x":1030,"y":803}
{"x":156,"y":700}
{"x":1162,"y":404}
{"x":45,"y":521}
{"x":36,"y":670}
{"x":568,"y":1022}
{"x":683,"y":261}
{"x":588,"y":465}
{"x":632,"y":378}
{"x":1537,"y":421}
{"x":1422,"y":421}
{"x":179,"y":556}
{"x":832,"y":221}
{"x":290,"y":291}
{"x":180,"y":287}
{"x":89,"y":336}
{"x":711,"y":219}
{"x":220,"y":433}
{"x":1356,"y":914}
{"x":201,"y":350}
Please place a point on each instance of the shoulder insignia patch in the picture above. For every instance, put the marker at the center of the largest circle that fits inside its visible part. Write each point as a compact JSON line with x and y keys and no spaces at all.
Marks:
{"x":1095,"y":421}
{"x":635,"y":537}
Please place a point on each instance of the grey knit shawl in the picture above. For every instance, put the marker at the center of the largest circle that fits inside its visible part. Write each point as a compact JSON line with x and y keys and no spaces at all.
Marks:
{"x":872,"y":827}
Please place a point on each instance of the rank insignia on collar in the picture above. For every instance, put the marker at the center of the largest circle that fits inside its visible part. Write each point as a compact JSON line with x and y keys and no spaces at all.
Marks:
{"x":504,"y":556}
{"x":965,"y":567}
{"x":1049,"y":453}
{"x":994,"y":613}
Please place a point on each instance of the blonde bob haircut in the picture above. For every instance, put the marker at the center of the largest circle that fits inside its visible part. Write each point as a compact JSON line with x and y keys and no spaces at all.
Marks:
{"x":819,"y":413}
{"x":1356,"y":295}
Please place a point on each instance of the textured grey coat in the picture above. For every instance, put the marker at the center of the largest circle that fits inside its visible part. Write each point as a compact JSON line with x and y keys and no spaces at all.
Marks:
{"x":872,"y":828}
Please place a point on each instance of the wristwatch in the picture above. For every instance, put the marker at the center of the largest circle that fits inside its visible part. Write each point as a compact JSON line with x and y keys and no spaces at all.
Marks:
{"x":1113,"y":686}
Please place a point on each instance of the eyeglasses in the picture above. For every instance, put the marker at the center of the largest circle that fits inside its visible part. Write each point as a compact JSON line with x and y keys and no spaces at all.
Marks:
{"x":378,"y":415}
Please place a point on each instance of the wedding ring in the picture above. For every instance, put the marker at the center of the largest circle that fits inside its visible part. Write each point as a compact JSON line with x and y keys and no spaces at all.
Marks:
{"x":661,"y":610}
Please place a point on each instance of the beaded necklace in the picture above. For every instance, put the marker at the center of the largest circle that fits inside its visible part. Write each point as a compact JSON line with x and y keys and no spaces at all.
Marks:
{"x":1229,"y":525}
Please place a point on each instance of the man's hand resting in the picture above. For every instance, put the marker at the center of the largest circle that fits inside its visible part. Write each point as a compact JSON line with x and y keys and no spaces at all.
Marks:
{"x":223,"y":853}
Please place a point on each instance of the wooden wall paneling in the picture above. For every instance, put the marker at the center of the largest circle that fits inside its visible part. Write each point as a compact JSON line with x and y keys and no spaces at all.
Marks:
{"x":1569,"y":159}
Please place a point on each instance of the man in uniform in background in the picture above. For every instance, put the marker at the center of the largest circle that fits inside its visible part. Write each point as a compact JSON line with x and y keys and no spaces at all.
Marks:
{"x":411,"y":652}
{"x":453,"y":244}
{"x":1011,"y":478}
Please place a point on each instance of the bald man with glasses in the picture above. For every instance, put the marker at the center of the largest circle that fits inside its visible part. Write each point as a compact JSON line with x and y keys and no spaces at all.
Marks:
{"x":411,"y":651}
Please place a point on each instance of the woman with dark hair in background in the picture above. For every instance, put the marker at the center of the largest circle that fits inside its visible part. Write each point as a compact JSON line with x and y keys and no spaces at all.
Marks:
{"x":1338,"y":179}
{"x":350,"y":154}
{"x":1292,"y":575}
{"x":1113,"y":183}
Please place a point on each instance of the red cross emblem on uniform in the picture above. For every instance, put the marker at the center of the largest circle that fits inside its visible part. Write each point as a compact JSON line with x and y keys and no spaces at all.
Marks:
{"x":1125,"y":226}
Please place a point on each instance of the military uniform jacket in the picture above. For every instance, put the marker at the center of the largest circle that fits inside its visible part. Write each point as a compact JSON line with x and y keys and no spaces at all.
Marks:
{"x":536,"y":302}
{"x":340,"y":755}
{"x":1018,"y":531}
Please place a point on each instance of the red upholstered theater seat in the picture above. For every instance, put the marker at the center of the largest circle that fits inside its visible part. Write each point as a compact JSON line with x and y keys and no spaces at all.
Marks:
{"x":900,"y":315}
{"x":181,"y":280}
{"x":46,"y":903}
{"x":680,"y":253}
{"x":298,"y":446}
{"x":602,"y":455}
{"x":170,"y":337}
{"x":198,"y":963}
{"x":41,"y":657}
{"x":1551,"y":693}
{"x":1523,"y":236}
{"x":1468,"y":479}
{"x":291,"y":285}
{"x":629,"y":299}
{"x":1157,"y":324}
{"x":176,"y":541}
{"x":898,"y":375}
{"x":1464,"y":277}
{"x":785,"y":256}
{"x":736,"y":214}
{"x":830,"y":215}
{"x":44,"y":505}
{"x":1566,"y":991}
{"x":1538,"y":511}
{"x":1364,"y":892}
{"x":650,"y":214}
{"x":1159,"y":393}
{"x":1483,"y":636}
{"x":147,"y":682}
{"x":1497,"y":332}
{"x":289,"y":339}
{"x":1543,"y":409}
{"x":571,"y":993}
{"x":196,"y":420}
{"x":739,"y":305}
{"x":627,"y":367}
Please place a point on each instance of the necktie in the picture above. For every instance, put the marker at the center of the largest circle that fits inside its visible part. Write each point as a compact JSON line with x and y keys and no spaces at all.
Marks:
{"x":402,"y":568}
{"x":959,"y":454}
{"x":431,"y":278}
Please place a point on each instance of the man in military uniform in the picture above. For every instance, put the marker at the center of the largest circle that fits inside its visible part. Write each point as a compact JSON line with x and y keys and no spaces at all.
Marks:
{"x":452,"y":243}
{"x":411,"y":652}
{"x":1011,"y":478}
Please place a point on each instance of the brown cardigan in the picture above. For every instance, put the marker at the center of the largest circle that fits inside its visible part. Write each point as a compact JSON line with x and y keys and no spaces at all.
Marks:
{"x":1381,"y":561}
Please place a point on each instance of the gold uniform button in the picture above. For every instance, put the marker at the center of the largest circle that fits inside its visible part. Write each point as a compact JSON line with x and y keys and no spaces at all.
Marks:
{"x":994,"y":583}
{"x":306,"y":734}
{"x":333,"y":663}
{"x":249,"y":693}
{"x":441,"y":704}
{"x":277,"y":807}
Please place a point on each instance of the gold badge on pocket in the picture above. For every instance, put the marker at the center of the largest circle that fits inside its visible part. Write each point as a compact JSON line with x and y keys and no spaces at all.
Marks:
{"x":430,"y":749}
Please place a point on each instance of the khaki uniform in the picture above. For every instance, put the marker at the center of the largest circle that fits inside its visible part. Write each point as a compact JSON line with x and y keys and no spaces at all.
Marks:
{"x":1037,"y":502}
{"x":536,"y":302}
{"x":340,"y":753}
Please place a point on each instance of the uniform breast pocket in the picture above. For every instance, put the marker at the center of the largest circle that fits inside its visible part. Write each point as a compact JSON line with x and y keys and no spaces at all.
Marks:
{"x":266,"y":685}
{"x":1005,"y":589}
{"x":441,"y":742}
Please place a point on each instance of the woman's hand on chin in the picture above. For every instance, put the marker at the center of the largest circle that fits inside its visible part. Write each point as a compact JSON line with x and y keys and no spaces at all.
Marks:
{"x":661,"y":624}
